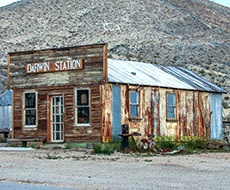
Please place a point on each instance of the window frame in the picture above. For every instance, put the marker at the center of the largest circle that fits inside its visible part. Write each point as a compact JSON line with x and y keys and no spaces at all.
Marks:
{"x":174,"y":106}
{"x":76,"y":108}
{"x":36,"y":109}
{"x":136,"y":104}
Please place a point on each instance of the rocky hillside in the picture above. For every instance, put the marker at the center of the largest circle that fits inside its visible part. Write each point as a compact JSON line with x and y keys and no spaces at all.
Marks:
{"x":192,"y":33}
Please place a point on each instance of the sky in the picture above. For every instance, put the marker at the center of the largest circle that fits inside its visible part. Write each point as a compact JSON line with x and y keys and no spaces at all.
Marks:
{"x":6,"y":2}
{"x":222,"y":2}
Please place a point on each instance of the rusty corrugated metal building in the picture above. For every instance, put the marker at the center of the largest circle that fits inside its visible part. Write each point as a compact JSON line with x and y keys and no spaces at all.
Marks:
{"x":160,"y":100}
{"x":76,"y":94}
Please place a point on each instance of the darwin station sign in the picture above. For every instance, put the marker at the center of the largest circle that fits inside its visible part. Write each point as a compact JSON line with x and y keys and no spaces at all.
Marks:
{"x":55,"y":66}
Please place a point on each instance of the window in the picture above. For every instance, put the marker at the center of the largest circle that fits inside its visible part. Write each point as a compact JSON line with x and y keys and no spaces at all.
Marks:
{"x":30,"y":112}
{"x":82,"y":107}
{"x":134,"y":104}
{"x":171,"y":106}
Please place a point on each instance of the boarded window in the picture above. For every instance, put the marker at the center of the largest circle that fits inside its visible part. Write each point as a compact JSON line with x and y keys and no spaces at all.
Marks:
{"x":82,"y":107}
{"x":134,"y":103}
{"x":171,"y":106}
{"x":30,"y":111}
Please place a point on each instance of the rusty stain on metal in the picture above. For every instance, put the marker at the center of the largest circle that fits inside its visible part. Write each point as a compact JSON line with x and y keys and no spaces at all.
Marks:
{"x":153,"y":117}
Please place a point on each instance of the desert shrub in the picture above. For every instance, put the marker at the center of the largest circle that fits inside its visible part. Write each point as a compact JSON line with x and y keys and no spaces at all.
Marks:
{"x":226,"y":97}
{"x":195,"y":144}
{"x":166,"y":142}
{"x":106,"y":148}
{"x":132,"y":145}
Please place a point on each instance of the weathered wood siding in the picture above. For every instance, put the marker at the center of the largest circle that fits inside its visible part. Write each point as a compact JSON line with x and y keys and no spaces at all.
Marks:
{"x":95,"y":67}
{"x":72,"y":133}
{"x":192,"y":109}
{"x":106,"y":103}
{"x":59,"y":83}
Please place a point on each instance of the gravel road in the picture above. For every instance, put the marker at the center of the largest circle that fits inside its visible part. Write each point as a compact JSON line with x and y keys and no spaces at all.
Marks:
{"x":82,"y":170}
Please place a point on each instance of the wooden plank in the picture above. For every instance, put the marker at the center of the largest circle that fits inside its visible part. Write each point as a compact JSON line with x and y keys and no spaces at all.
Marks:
{"x":105,"y":64}
{"x":8,"y":75}
{"x":37,"y":52}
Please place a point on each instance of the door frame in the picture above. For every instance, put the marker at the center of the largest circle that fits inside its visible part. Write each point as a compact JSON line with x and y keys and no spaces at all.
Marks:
{"x":50,"y":118}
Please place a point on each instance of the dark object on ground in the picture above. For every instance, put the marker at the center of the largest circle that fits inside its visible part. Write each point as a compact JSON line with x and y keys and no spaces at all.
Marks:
{"x":124,"y":137}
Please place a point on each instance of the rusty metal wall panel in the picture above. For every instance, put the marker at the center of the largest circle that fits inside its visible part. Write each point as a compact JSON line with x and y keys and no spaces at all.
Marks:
{"x":189,"y":108}
{"x":148,"y":111}
{"x":203,"y":114}
{"x":124,"y":104}
{"x":182,"y":117}
{"x":186,"y":114}
{"x":162,"y":102}
{"x":156,"y":113}
{"x":216,"y":116}
{"x":193,"y":112}
{"x":106,"y":103}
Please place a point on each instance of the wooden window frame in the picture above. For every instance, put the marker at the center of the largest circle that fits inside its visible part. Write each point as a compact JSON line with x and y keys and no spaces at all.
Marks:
{"x":24,"y":109}
{"x":174,"y":106}
{"x":76,"y":108}
{"x":138,"y":105}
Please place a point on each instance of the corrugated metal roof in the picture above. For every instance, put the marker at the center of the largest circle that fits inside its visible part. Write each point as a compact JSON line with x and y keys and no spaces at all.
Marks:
{"x":6,"y":98}
{"x":137,"y":73}
{"x":192,"y":79}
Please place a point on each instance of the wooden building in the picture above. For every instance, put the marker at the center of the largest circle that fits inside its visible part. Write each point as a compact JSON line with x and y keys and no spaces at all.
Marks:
{"x":76,"y":94}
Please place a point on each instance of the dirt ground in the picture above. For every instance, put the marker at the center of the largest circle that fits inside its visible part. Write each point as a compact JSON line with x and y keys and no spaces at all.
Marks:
{"x":82,"y":170}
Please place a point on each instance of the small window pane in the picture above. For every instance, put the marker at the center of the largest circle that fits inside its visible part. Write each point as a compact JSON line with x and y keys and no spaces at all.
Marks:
{"x":30,"y":100}
{"x":57,"y":118}
{"x":57,"y":100}
{"x":54,"y":135}
{"x":30,"y":117}
{"x":82,"y":97}
{"x":57,"y":127}
{"x":133,"y":111}
{"x":171,"y":113}
{"x":57,"y":110}
{"x":57,"y":136}
{"x":83,"y":115}
{"x":134,"y":97}
{"x":171,"y":99}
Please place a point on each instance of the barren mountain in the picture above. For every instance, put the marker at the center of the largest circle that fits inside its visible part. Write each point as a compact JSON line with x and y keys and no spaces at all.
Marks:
{"x":192,"y":33}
